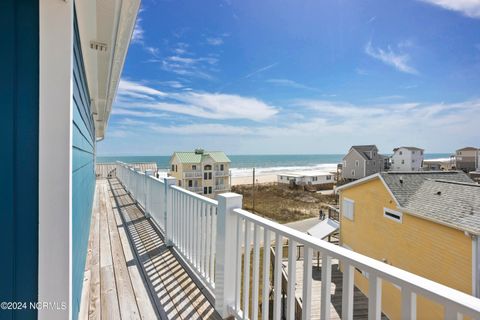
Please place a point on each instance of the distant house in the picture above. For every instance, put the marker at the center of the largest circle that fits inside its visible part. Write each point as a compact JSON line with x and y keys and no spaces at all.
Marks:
{"x":407,"y":159}
{"x":204,"y":172}
{"x":307,"y":178}
{"x":426,"y":222}
{"x":362,"y":161}
{"x":467,"y":159}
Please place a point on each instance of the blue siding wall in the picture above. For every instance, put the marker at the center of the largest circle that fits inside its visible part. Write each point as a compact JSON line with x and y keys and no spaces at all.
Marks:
{"x":83,"y":173}
{"x":19,"y":100}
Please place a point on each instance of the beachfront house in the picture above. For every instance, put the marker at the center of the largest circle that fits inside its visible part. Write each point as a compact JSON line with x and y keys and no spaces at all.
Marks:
{"x":407,"y":159}
{"x":467,"y":159}
{"x":132,"y":246}
{"x":413,"y":221}
{"x":362,"y":161}
{"x":308,"y":178}
{"x":203,"y":172}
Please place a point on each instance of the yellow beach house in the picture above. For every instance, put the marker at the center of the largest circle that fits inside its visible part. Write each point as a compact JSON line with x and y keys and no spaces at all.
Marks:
{"x":426,"y":223}
{"x":203,"y":172}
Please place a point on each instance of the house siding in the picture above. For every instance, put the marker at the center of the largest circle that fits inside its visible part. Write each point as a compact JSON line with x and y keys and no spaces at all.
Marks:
{"x":83,"y":173}
{"x":350,"y":159}
{"x":19,"y":90}
{"x":434,"y":251}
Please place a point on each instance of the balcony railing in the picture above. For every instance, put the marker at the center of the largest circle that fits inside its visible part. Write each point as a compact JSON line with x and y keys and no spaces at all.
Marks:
{"x":220,"y":187}
{"x":192,"y":174}
{"x":213,"y":237}
{"x":221,"y":173}
{"x":194,"y":189}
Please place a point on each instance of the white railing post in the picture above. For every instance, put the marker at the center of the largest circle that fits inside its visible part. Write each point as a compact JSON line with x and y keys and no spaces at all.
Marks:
{"x":225,"y":252}
{"x":168,"y":209}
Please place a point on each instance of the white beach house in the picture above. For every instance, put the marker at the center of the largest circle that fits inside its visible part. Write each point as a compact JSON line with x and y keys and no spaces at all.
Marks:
{"x":306,"y":178}
{"x":407,"y":159}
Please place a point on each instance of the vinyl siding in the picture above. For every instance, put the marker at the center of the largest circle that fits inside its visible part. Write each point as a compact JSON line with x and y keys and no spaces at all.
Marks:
{"x":422,"y":247}
{"x":83,"y":173}
{"x":19,"y":153}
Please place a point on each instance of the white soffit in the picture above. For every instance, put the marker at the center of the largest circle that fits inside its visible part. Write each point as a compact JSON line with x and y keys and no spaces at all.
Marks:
{"x":105,"y":28}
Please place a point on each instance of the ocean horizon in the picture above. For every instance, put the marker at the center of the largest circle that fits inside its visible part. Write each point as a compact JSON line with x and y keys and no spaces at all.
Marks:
{"x":242,"y":165}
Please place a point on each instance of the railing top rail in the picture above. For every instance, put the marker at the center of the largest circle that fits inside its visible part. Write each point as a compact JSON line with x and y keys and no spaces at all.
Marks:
{"x":464,"y":303}
{"x":195,"y":195}
{"x":155,"y":178}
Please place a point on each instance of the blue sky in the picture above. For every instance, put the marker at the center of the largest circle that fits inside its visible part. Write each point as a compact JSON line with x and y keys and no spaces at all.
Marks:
{"x":261,"y":77}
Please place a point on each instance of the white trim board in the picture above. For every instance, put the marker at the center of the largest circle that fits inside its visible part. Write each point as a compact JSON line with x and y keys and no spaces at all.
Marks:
{"x":55,"y":154}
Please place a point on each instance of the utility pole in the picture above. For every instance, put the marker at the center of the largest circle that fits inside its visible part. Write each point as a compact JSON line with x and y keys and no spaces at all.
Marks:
{"x":253,"y":192}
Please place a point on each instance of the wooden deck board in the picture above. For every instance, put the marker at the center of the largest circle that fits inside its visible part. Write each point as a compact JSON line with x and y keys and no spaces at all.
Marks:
{"x":129,"y":272}
{"x":360,"y":305}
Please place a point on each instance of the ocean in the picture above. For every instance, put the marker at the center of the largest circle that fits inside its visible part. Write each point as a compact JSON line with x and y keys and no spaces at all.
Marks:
{"x":242,"y":164}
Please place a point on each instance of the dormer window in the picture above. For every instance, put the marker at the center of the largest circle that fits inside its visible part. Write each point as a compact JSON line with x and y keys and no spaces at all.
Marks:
{"x":207,"y":167}
{"x":194,"y":167}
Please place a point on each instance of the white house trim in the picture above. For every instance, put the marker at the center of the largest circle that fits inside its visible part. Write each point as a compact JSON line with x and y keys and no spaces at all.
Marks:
{"x":55,"y":154}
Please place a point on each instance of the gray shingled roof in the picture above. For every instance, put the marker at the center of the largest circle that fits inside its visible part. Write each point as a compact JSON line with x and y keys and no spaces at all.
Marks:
{"x":412,"y":181}
{"x":456,"y":204}
{"x":364,"y":149}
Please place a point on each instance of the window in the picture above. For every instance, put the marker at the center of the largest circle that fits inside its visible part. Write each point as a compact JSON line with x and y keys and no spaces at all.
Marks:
{"x":393,"y":215}
{"x":190,"y":183}
{"x":329,"y":177}
{"x":403,"y":161}
{"x":413,"y":160}
{"x":194,"y":167}
{"x":221,"y":167}
{"x":315,"y":179}
{"x":400,"y":152}
{"x":173,"y":167}
{"x":207,"y":175}
{"x":209,"y":190}
{"x":207,"y":167}
{"x":348,"y":208}
{"x":179,"y":183}
{"x":176,"y":168}
{"x":353,"y":173}
{"x":373,"y":162}
{"x":205,"y":190}
{"x":356,"y":163}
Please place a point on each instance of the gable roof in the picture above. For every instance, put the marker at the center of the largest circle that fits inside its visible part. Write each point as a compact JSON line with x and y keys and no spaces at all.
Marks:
{"x":408,"y":148}
{"x":457,"y":205}
{"x":468,"y":149}
{"x":192,"y":157}
{"x":363,"y":149}
{"x":404,"y":184}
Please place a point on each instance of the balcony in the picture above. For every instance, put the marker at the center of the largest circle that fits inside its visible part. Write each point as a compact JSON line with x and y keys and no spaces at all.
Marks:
{"x":221,"y":187}
{"x":222,"y":173}
{"x":194,"y":189}
{"x":189,"y":252}
{"x":192,"y":174}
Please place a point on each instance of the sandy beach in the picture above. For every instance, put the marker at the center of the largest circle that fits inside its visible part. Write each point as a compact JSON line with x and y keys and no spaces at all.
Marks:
{"x":261,"y":178}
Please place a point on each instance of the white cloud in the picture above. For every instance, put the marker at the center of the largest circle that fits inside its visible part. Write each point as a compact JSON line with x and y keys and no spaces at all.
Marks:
{"x":260,"y":70}
{"x":135,"y":96}
{"x":137,"y":90}
{"x":138,"y":32}
{"x":208,"y":129}
{"x":215,"y":41}
{"x":290,"y":83}
{"x":470,"y":8}
{"x":400,"y":61}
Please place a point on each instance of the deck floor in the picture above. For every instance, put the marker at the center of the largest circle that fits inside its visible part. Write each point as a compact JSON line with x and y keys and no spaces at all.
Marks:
{"x":360,"y":301}
{"x":130,"y":273}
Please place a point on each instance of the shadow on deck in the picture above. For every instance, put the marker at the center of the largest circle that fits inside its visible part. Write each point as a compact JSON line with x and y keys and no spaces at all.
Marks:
{"x":130,"y":272}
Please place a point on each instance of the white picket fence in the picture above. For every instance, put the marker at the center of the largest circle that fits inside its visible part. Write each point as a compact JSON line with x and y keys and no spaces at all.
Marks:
{"x":213,"y":237}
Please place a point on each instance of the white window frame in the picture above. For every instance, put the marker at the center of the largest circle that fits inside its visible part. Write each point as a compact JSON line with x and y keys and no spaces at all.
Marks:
{"x":352,"y":217}
{"x":399,"y":214}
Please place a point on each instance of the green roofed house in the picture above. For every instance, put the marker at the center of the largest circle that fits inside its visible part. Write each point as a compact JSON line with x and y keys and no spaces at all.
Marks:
{"x":203,"y":172}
